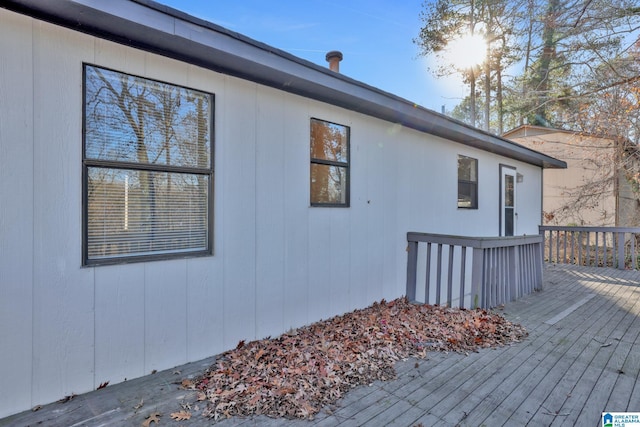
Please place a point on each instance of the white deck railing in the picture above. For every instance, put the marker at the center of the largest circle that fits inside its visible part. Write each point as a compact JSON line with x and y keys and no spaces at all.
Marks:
{"x":472,"y":272}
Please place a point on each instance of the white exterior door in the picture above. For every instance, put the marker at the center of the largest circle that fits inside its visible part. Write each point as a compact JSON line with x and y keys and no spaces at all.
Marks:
{"x":508,"y":215}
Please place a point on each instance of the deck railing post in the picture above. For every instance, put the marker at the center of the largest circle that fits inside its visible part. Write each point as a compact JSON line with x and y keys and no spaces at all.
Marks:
{"x":439,"y":274}
{"x":514,"y":280}
{"x":632,"y":252}
{"x":412,"y":267}
{"x":620,"y":237}
{"x":477,"y":279}
{"x":463,"y":266}
{"x":538,"y":260}
{"x":450,"y":277}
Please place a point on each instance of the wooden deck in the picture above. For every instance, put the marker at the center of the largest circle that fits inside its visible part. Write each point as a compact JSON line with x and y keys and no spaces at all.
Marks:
{"x":582,"y":357}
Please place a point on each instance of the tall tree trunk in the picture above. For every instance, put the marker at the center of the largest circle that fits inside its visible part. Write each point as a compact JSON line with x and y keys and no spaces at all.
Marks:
{"x":472,"y":96}
{"x":500,"y":106}
{"x":472,"y":83}
{"x":487,"y":89}
{"x":527,"y":59}
{"x":548,"y":53}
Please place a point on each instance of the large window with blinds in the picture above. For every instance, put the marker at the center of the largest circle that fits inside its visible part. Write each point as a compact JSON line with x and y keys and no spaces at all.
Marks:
{"x":147,"y":169}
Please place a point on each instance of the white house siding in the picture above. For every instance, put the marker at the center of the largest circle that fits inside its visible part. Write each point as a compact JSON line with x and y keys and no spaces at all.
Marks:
{"x":277,"y":263}
{"x":16,"y":213}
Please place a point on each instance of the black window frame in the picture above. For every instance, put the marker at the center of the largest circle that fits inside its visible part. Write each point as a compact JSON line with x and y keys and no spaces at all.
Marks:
{"x":469,"y":183}
{"x":119,"y":165}
{"x":318,"y":161}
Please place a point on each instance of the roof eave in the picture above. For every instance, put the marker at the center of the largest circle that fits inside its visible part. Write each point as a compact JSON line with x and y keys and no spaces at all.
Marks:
{"x":160,"y":29}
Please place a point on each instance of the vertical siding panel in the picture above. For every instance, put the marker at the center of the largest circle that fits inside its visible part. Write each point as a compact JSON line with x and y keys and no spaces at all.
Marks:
{"x":204,"y":308}
{"x":395,"y":240}
{"x":319,"y":263}
{"x":340,"y":252}
{"x":237,"y":169}
{"x":270,"y":213}
{"x":63,"y":291}
{"x":413,"y":203}
{"x":166,"y":70}
{"x":16,"y":210}
{"x":296,"y":212}
{"x":119,"y":322}
{"x":165,"y":314}
{"x":205,"y":304}
{"x":377,"y":188}
{"x":360,"y":205}
{"x":375,"y":255}
{"x":117,"y":57}
{"x":357,"y":263}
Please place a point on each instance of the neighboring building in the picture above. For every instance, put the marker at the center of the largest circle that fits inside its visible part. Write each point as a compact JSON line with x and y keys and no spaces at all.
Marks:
{"x":169,"y":188}
{"x":593,"y":190}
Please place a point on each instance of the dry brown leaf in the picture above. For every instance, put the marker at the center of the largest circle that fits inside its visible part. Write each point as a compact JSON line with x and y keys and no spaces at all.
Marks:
{"x":296,"y":374}
{"x":68,"y":398}
{"x":181,"y":416}
{"x":187,"y":383}
{"x":152,"y":418}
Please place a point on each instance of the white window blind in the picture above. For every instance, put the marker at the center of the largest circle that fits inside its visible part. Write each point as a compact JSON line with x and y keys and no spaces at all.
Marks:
{"x":148,"y":168}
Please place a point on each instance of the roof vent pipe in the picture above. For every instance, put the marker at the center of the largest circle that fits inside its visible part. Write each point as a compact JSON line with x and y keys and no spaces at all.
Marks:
{"x":333,"y":58}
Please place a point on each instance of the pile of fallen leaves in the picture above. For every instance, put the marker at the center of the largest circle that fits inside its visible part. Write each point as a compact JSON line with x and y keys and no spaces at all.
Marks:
{"x":298,"y":373}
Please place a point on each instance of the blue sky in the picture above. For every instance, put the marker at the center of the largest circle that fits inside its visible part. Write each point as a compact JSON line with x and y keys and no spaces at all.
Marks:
{"x":375,"y":37}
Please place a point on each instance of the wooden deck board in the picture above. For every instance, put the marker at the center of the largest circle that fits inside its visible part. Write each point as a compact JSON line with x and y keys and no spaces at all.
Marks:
{"x":515,"y":389}
{"x":499,"y":378}
{"x":565,"y":373}
{"x":434,"y":372}
{"x":591,"y":409}
{"x":577,"y":381}
{"x":625,"y":383}
{"x":436,"y":396}
{"x":353,"y":405}
{"x":551,"y":406}
{"x":501,"y":395}
{"x":543,"y":380}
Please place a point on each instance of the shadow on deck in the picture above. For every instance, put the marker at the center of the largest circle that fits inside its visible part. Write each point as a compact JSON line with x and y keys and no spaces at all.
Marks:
{"x":582,"y":357}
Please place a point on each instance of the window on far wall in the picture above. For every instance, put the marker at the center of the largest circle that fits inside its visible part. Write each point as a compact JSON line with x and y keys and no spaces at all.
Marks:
{"x":147,"y":169}
{"x":467,"y":182}
{"x":329,"y":164}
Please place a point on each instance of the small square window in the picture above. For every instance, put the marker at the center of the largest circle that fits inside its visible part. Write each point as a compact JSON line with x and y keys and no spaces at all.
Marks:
{"x":467,"y":182}
{"x":329,"y":183}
